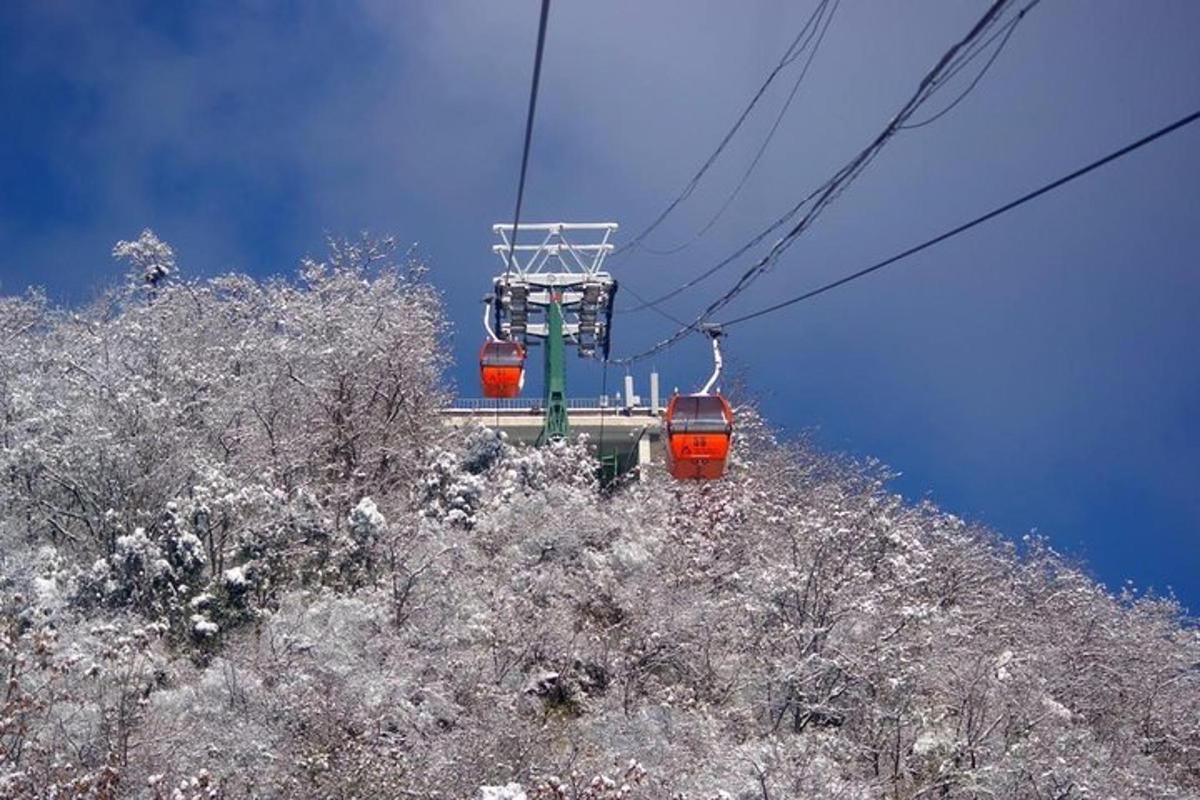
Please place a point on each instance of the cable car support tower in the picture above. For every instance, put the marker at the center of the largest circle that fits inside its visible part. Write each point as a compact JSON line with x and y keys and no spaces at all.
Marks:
{"x":554,"y":291}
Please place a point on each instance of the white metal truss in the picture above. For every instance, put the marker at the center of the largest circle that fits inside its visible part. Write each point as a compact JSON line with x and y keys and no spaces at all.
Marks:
{"x":555,"y":254}
{"x":564,"y":266}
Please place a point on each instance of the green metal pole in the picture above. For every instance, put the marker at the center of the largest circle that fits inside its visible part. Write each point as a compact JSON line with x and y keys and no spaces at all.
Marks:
{"x":556,"y":426}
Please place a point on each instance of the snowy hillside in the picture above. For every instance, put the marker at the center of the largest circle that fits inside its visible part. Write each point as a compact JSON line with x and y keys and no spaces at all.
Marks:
{"x":239,"y":557}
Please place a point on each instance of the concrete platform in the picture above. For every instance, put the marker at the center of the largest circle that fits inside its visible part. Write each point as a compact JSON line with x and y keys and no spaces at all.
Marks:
{"x":635,"y":433}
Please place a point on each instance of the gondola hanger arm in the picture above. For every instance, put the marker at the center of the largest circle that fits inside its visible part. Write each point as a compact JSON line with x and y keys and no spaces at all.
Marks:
{"x":487,"y":323}
{"x":715,"y":333}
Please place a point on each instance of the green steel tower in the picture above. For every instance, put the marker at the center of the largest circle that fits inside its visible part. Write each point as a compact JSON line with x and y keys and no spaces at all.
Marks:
{"x":554,"y":290}
{"x":557,"y":425}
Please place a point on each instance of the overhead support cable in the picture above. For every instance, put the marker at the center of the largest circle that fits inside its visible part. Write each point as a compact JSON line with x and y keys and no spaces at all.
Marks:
{"x":653,"y":305}
{"x":794,"y":50}
{"x":729,"y":259}
{"x":956,"y":65}
{"x":787,"y":104}
{"x":1025,"y":198}
{"x":533,"y":94}
{"x":1004,"y":34}
{"x":818,"y":31}
{"x":832,"y":188}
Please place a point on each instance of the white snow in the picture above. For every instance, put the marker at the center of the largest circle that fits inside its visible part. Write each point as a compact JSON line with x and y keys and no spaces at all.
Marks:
{"x":236,"y":576}
{"x":203,"y":626}
{"x":511,"y":791}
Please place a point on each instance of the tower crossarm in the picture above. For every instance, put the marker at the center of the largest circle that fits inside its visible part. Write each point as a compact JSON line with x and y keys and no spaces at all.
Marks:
{"x":578,"y":248}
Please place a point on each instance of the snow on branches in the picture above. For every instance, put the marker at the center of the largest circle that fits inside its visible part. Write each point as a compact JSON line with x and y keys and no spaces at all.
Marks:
{"x":241,"y":556}
{"x":151,"y":260}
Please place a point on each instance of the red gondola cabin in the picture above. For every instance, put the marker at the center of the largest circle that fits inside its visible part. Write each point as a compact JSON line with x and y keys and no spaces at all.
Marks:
{"x":699,"y":428}
{"x":502,"y":369}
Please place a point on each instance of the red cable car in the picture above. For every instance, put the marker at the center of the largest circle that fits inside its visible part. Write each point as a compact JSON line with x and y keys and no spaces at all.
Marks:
{"x":699,"y":429}
{"x":502,"y":368}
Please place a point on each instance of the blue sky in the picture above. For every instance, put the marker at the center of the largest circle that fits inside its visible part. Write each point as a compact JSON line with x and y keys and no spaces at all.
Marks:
{"x":1037,"y":373}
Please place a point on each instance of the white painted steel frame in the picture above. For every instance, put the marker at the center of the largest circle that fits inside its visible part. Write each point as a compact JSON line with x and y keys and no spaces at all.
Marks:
{"x":584,"y":259}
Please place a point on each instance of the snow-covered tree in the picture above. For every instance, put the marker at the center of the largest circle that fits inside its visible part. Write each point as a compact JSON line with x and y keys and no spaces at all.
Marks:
{"x":151,"y":260}
{"x":240,"y":556}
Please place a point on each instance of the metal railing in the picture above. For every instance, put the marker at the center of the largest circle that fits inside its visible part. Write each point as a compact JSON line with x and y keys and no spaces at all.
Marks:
{"x":534,"y":404}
